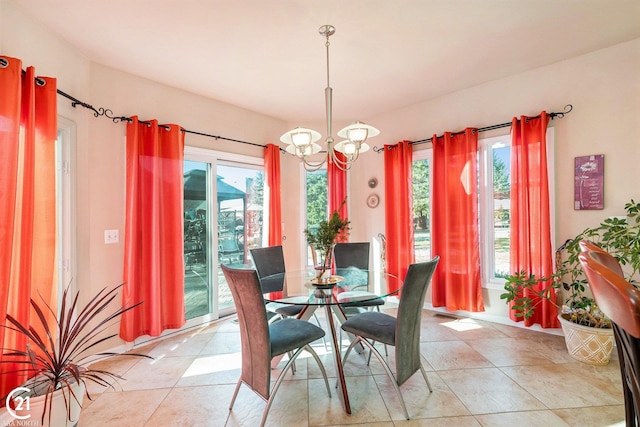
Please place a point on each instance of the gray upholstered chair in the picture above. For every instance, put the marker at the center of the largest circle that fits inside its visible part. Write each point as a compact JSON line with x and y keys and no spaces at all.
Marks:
{"x":262,"y":341}
{"x":352,"y":262}
{"x":402,"y":332}
{"x":269,"y":263}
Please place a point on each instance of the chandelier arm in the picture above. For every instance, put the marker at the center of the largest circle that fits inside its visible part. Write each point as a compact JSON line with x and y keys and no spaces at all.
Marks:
{"x":302,"y":148}
{"x":341,"y":164}
{"x":311,"y":166}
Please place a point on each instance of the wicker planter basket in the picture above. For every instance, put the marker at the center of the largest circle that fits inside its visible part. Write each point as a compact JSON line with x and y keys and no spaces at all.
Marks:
{"x":588,"y":345}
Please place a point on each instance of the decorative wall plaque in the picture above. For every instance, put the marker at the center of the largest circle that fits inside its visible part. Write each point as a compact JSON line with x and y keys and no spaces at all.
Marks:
{"x":589,"y":182}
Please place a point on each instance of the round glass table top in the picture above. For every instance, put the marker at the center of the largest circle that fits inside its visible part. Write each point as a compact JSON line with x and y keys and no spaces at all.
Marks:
{"x":346,"y":286}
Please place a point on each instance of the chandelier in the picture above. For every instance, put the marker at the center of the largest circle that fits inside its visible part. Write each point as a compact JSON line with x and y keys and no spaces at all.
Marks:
{"x":301,"y":142}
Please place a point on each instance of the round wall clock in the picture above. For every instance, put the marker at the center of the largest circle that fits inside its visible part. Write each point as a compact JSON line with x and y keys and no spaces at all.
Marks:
{"x":373,"y":200}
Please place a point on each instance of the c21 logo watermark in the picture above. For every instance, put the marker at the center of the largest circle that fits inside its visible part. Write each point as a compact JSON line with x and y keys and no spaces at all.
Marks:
{"x":20,"y":403}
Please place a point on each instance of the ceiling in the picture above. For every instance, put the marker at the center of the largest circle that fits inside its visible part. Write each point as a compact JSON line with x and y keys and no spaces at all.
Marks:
{"x":267,"y":56}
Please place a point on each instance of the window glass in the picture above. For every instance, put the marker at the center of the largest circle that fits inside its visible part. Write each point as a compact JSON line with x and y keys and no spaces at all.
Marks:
{"x":500,"y":209}
{"x":317,"y":202}
{"x":421,"y":181}
{"x":223,"y":219}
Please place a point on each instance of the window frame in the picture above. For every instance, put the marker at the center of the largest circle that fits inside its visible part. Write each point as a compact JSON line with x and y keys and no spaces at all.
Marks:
{"x":485,"y":212}
{"x":66,"y":206}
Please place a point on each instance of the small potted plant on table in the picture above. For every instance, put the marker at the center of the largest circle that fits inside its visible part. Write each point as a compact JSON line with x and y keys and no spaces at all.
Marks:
{"x":324,"y":237}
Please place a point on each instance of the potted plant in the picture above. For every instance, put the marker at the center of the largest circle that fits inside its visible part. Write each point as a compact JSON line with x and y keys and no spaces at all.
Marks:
{"x":54,"y":362}
{"x":579,"y":314}
{"x":323,"y":238}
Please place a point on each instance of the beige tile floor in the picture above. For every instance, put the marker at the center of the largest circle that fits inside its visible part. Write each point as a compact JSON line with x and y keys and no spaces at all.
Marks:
{"x":482,"y":374}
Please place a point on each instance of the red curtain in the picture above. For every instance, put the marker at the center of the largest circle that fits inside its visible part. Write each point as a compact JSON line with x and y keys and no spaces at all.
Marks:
{"x":272,"y":193}
{"x":153,"y":253}
{"x":530,"y":217}
{"x":398,"y":208}
{"x":454,"y":232}
{"x":337,"y":187}
{"x":28,"y":132}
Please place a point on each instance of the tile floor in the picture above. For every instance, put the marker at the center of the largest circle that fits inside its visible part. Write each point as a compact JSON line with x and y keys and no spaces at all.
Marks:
{"x":482,"y":374}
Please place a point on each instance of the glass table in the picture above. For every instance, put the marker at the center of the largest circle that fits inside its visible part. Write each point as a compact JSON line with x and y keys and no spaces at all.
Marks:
{"x":347,"y":287}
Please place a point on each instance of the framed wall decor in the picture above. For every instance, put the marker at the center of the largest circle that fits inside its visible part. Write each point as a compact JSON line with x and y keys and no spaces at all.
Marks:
{"x":589,"y":182}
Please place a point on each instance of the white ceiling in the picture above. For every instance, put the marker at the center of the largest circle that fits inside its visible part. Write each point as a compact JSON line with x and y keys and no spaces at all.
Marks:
{"x":267,"y":56}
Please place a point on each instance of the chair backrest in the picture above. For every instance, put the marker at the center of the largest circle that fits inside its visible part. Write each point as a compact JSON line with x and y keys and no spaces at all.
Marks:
{"x":413,"y":292}
{"x":254,"y":329}
{"x":602,"y":256}
{"x":616,"y":297}
{"x":352,"y":254}
{"x":269,"y":261}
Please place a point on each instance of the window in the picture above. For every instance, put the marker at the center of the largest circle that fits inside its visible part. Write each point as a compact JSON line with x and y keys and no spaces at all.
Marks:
{"x":65,"y":206}
{"x":223,"y":218}
{"x":317,"y":201}
{"x":495,"y":207}
{"x":421,"y":180}
{"x":495,"y":211}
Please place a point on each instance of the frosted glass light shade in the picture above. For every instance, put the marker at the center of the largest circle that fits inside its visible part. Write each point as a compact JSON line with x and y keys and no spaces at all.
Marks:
{"x":305,"y":150}
{"x":358,"y":132}
{"x":349,"y":148}
{"x":300,"y":136}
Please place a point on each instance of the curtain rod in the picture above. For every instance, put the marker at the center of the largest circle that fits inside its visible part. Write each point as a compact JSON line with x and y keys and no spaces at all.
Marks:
{"x":560,"y":114}
{"x":116,"y":119}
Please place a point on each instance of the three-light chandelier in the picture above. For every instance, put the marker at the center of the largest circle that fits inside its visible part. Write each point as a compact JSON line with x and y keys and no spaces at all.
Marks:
{"x":301,"y":142}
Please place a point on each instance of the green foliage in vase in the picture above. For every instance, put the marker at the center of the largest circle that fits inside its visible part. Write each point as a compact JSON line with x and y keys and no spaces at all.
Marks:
{"x":328,"y":232}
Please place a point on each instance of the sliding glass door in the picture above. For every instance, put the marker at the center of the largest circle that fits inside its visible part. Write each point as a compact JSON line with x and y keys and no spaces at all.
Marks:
{"x":223,"y":217}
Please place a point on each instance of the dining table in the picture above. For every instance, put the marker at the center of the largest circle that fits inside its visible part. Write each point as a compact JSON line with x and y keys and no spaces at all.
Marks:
{"x":334,"y":293}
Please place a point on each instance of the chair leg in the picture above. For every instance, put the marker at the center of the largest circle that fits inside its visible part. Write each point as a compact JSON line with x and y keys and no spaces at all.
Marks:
{"x":386,"y":368}
{"x":278,"y":382}
{"x":321,"y":366}
{"x":424,"y":374}
{"x":324,"y":341}
{"x":273,"y":391}
{"x":235,"y":394}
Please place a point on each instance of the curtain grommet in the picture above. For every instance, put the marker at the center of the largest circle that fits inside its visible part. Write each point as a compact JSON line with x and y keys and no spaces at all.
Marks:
{"x":4,"y":62}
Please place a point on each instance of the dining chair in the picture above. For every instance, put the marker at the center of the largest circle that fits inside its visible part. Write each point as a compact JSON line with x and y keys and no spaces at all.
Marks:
{"x":352,"y":262}
{"x":620,"y":301}
{"x":262,"y":341}
{"x":609,"y":261}
{"x":402,"y":332}
{"x":269,"y":263}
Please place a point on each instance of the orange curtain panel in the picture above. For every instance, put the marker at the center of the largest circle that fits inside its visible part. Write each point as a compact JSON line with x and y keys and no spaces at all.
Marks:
{"x":153,"y":242}
{"x":28,"y":132}
{"x":337,"y":187}
{"x":398,"y":208}
{"x":456,"y":283}
{"x":530,"y":217}
{"x":273,"y":193}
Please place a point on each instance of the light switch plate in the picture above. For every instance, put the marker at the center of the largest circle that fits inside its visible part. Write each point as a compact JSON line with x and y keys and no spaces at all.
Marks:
{"x":111,"y":236}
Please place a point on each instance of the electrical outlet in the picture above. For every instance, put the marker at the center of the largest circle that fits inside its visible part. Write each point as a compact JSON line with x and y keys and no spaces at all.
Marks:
{"x":111,"y":236}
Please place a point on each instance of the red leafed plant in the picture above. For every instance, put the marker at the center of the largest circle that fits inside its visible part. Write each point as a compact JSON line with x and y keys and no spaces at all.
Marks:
{"x":55,"y":361}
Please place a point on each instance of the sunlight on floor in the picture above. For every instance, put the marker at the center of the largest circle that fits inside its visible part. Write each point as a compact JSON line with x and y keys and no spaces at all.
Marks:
{"x":462,"y":325}
{"x":215,"y":363}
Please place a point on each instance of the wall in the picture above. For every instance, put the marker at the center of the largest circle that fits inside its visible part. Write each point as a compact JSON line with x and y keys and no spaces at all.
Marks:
{"x":604,"y":89}
{"x":603,"y":86}
{"x":99,"y":154}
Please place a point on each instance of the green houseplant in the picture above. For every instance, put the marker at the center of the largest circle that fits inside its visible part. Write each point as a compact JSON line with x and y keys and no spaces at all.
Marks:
{"x":323,"y":238}
{"x":54,"y":362}
{"x":618,"y":236}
